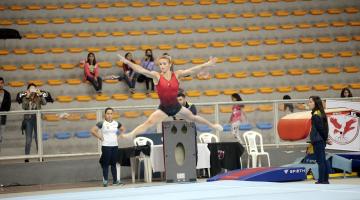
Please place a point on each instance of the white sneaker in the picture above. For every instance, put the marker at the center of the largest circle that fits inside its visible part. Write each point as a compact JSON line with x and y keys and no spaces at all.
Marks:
{"x":218,"y":127}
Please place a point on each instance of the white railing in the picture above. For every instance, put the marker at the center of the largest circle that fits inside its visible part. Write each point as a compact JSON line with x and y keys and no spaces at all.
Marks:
{"x":99,"y":110}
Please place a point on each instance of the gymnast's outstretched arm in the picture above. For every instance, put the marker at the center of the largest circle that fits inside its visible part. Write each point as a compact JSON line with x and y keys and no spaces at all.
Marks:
{"x":139,"y":69}
{"x":197,"y":68}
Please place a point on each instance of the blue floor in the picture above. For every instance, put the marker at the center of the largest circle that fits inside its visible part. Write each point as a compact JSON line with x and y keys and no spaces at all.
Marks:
{"x":222,"y":190}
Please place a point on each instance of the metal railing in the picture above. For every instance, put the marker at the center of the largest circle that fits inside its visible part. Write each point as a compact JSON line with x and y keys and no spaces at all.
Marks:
{"x":99,"y":117}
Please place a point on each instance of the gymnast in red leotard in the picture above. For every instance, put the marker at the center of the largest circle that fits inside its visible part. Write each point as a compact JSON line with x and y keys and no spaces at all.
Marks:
{"x":167,"y":86}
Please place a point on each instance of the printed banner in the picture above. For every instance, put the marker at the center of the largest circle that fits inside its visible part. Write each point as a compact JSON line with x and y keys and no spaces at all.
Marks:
{"x":344,"y":132}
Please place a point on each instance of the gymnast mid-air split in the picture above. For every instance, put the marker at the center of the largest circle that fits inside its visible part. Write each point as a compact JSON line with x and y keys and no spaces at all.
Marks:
{"x":167,"y":87}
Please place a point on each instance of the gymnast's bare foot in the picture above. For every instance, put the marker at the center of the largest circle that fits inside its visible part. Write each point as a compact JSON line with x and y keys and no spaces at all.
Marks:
{"x":218,"y":127}
{"x":128,"y":136}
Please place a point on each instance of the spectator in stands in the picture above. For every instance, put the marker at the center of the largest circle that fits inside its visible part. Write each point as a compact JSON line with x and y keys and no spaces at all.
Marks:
{"x":237,"y":116}
{"x":287,"y":107}
{"x":128,"y":75}
{"x":345,"y":93}
{"x":319,"y":137}
{"x":182,"y":100}
{"x":148,"y":63}
{"x":32,"y":99}
{"x":106,"y":131}
{"x":5,"y":104}
{"x":91,"y":70}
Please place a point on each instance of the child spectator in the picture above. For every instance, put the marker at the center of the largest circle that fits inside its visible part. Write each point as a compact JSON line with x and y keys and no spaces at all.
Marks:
{"x":91,"y":71}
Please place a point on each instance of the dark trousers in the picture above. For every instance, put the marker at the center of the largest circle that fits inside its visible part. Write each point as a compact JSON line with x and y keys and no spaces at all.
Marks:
{"x":319,"y":151}
{"x":149,"y":83}
{"x":30,"y":128}
{"x":96,"y":83}
{"x":131,"y":83}
{"x":109,"y":158}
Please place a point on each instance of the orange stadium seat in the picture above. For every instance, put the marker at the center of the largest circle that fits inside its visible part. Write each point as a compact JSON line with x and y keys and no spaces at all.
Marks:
{"x":102,"y":97}
{"x":73,"y":81}
{"x":229,"y":91}
{"x":211,"y":92}
{"x":193,"y":93}
{"x":265,"y":108}
{"x":289,"y":41}
{"x":188,"y":3}
{"x":139,"y":96}
{"x":93,"y":20}
{"x":342,"y":38}
{"x":103,"y":5}
{"x":240,"y":74}
{"x":333,"y":70}
{"x":325,"y":39}
{"x":47,"y":66}
{"x":57,"y":50}
{"x":247,"y":91}
{"x":321,"y":87}
{"x":226,"y":109}
{"x":302,"y":88}
{"x":38,"y":83}
{"x":38,"y":51}
{"x":284,"y":89}
{"x":132,"y":114}
{"x":16,"y":7}
{"x":54,"y":82}
{"x":289,"y":56}
{"x":64,"y":99}
{"x":16,"y":84}
{"x":202,"y":30}
{"x":94,"y":49}
{"x":86,"y":6}
{"x":3,"y":52}
{"x":23,"y":22}
{"x":90,"y":116}
{"x":351,"y":69}
{"x":67,"y":66}
{"x":120,"y":96}
{"x":28,"y":67}
{"x":83,"y":98}
{"x":9,"y":67}
{"x":207,"y":110}
{"x":154,"y":4}
{"x":249,"y":108}
{"x":258,"y":74}
{"x":51,"y":117}
{"x":338,"y":86}
{"x":277,"y":72}
{"x":20,"y":51}
{"x":351,"y":10}
{"x":222,"y":75}
{"x":266,"y":90}
{"x":110,"y":19}
{"x":296,"y":72}
{"x":313,"y":71}
{"x":355,"y":85}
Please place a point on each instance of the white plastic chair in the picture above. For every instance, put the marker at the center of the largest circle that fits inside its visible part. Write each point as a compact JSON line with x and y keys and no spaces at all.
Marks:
{"x":252,"y":148}
{"x":142,"y":141}
{"x":207,"y":138}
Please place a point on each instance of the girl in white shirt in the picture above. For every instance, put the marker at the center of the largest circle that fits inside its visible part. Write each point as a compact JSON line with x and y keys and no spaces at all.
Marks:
{"x":106,"y":131}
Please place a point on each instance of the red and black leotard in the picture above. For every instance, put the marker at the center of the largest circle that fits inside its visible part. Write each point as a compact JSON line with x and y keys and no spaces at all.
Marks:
{"x":168,"y":91}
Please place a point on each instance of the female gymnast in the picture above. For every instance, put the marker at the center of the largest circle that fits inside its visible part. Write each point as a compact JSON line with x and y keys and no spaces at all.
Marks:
{"x":167,"y":86}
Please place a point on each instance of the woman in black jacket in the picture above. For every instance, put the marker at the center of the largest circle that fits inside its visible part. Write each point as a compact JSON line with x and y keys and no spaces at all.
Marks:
{"x":319,"y":137}
{"x":5,"y":104}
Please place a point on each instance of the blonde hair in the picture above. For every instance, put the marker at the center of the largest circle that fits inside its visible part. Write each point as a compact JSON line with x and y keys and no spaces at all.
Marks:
{"x":164,"y":57}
